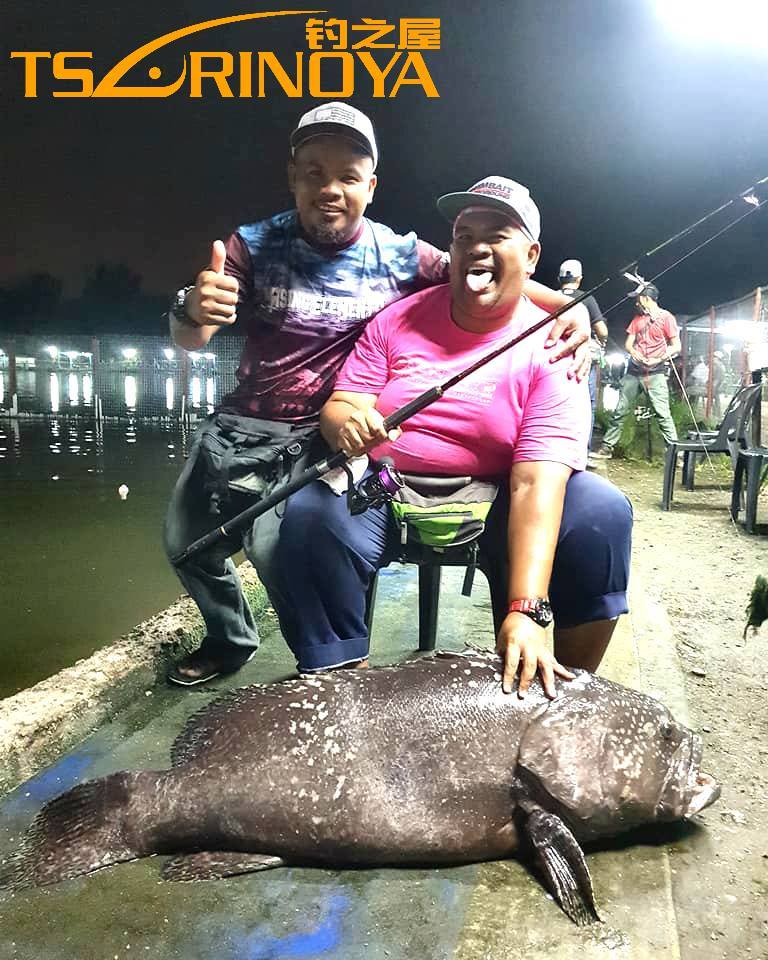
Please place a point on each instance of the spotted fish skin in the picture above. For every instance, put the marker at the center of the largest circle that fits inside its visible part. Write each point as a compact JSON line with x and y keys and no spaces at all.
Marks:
{"x":424,"y":762}
{"x":411,"y":763}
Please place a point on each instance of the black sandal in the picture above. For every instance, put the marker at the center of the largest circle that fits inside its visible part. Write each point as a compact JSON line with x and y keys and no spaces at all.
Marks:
{"x":204,"y":664}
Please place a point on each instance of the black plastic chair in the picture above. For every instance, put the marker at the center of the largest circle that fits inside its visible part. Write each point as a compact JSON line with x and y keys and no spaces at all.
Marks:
{"x":730,"y":438}
{"x":690,"y":456}
{"x":430,"y":561}
{"x":750,"y":463}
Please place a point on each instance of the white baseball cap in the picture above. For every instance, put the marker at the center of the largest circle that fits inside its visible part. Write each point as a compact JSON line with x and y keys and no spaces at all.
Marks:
{"x":570,"y":269}
{"x":499,"y":193}
{"x":337,"y":119}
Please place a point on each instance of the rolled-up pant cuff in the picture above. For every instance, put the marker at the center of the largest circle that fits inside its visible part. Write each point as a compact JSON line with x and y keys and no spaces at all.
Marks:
{"x":326,"y":656}
{"x":607,"y":607}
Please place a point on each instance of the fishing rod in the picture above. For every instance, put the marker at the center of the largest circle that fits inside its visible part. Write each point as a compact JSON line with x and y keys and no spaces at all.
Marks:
{"x":434,"y":393}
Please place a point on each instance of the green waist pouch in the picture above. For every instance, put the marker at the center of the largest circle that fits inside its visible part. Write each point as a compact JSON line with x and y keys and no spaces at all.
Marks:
{"x":442,"y":512}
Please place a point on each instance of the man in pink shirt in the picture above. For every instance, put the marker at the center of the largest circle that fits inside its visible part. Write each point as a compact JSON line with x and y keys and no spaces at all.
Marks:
{"x":652,"y":341}
{"x":562,"y":534}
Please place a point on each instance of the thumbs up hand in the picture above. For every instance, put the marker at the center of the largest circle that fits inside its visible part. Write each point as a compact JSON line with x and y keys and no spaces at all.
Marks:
{"x":213,"y":301}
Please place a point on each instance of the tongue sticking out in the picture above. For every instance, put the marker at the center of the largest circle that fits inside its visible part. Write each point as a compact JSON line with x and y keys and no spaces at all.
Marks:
{"x":479,"y":281}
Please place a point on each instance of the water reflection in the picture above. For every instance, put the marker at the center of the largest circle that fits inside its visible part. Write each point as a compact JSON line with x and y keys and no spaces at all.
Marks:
{"x":54,"y":393}
{"x":103,"y":560}
{"x":130,"y":393}
{"x":67,"y":438}
{"x":164,"y":390}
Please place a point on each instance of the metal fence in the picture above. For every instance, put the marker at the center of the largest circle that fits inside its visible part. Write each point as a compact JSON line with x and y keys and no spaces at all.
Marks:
{"x":723,"y":348}
{"x":112,"y":377}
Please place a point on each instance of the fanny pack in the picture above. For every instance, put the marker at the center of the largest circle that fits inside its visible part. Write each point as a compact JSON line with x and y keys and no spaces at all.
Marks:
{"x":638,"y":371}
{"x":442,"y":511}
{"x":247,"y":455}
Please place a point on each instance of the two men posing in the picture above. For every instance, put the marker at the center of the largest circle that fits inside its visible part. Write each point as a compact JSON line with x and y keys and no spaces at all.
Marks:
{"x":303,"y":284}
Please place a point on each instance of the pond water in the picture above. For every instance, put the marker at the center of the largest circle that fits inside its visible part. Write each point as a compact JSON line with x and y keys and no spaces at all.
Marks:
{"x":79,"y":566}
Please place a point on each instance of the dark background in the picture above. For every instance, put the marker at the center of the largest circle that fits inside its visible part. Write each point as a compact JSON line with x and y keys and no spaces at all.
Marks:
{"x":623,"y":130}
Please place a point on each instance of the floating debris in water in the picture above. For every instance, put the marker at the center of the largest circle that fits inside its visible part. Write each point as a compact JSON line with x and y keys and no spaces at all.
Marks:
{"x":123,"y":491}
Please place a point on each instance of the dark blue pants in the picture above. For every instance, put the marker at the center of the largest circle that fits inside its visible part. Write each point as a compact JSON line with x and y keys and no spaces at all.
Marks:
{"x":326,"y":558}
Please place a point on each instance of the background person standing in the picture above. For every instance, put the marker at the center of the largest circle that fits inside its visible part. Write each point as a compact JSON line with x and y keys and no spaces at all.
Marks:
{"x":652,"y":341}
{"x":569,"y":278}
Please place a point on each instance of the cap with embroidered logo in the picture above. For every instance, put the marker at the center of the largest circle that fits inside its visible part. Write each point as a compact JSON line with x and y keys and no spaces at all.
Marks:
{"x":570,"y":270}
{"x":336,"y":119}
{"x":498,"y":193}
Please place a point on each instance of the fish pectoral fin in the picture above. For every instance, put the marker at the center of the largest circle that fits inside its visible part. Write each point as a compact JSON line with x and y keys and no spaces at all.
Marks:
{"x":213,"y":865}
{"x":561,"y":860}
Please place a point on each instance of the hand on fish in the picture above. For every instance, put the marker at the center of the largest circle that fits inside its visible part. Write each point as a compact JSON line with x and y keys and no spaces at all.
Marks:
{"x":523,"y":644}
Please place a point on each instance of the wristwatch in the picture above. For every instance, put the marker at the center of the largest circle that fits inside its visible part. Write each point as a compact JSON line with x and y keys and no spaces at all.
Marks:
{"x":179,"y":306}
{"x":537,"y":608}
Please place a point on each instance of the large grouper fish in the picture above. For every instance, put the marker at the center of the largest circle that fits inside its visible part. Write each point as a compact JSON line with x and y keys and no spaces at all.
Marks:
{"x":427,"y":762}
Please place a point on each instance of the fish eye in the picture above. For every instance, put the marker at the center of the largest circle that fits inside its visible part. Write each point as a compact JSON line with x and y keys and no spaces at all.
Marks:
{"x":667,"y":730}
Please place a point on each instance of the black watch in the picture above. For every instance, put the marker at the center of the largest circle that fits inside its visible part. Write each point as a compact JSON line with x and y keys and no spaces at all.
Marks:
{"x":537,"y":608}
{"x":179,"y":306}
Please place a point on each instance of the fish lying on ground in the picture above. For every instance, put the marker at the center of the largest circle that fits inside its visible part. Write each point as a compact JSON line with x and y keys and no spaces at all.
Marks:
{"x":423,"y":763}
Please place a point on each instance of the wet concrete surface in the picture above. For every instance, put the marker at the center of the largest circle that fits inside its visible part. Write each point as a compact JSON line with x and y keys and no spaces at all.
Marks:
{"x":482,"y":912}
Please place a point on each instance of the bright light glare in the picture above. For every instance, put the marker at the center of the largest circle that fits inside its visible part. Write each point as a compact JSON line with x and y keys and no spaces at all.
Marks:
{"x":168,"y":353}
{"x":87,"y":388}
{"x":52,"y":351}
{"x":130,"y":392}
{"x":74,"y":389}
{"x":210,"y":392}
{"x":195,"y":391}
{"x":610,"y":398}
{"x":614,"y":359}
{"x":129,"y":353}
{"x":210,"y":356}
{"x":54,"y":393}
{"x":169,"y":393}
{"x":742,"y":23}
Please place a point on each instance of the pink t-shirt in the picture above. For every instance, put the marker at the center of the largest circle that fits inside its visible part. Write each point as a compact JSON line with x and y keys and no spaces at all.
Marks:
{"x":517,"y":407}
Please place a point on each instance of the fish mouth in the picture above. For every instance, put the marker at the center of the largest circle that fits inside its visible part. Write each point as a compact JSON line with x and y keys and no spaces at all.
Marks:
{"x":706,"y":791}
{"x":687,"y":790}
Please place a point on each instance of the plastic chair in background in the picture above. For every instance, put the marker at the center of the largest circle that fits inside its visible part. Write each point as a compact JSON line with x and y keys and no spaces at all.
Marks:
{"x":751,"y":464}
{"x":730,"y":438}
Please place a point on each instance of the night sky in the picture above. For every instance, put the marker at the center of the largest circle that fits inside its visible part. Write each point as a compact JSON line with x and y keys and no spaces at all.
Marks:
{"x":623,"y":131}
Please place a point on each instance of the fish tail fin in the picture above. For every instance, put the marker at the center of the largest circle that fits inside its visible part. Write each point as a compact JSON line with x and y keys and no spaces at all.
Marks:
{"x":76,"y":833}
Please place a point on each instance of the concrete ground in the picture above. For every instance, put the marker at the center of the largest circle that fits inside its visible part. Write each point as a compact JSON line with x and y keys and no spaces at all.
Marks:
{"x":495,"y":911}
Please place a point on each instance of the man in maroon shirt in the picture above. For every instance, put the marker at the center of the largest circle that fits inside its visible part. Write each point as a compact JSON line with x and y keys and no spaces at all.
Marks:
{"x":652,"y":341}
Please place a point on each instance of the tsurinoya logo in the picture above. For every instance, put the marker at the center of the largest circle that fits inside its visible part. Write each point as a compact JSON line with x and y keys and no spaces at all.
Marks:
{"x":341,"y":58}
